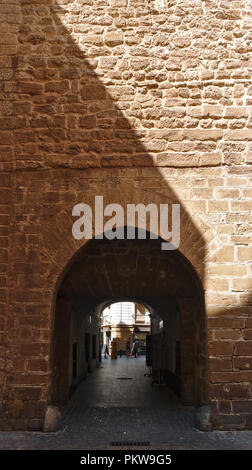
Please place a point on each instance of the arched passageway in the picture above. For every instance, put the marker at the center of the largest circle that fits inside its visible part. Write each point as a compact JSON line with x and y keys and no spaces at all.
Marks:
{"x":105,"y":271}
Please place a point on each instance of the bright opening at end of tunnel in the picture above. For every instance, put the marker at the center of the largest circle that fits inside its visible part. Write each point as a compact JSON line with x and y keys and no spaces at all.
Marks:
{"x":124,"y":328}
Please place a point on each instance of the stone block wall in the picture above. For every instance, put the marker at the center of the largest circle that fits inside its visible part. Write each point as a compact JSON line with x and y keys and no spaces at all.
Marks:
{"x":139,"y":101}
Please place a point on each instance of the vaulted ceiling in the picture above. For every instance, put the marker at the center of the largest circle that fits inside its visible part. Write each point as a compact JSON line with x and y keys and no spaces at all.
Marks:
{"x":128,"y":269}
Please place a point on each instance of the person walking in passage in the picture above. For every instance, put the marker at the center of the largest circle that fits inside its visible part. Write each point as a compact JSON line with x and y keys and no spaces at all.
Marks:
{"x":136,"y":347}
{"x":128,"y":347}
{"x":106,"y":351}
{"x":133,"y":349}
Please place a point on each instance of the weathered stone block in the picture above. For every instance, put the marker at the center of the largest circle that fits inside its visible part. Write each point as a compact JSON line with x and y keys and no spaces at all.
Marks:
{"x":242,"y":348}
{"x":93,"y":92}
{"x":221,"y":348}
{"x":52,"y":419}
{"x":118,"y":3}
{"x":203,"y":418}
{"x":113,"y":39}
{"x":30,"y":88}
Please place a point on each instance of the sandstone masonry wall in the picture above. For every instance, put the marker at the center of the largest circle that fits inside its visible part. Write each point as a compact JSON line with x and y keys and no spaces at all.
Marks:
{"x":138,"y":100}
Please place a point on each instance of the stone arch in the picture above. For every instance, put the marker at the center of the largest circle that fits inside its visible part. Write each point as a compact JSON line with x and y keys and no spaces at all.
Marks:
{"x":102,"y":271}
{"x":61,"y":248}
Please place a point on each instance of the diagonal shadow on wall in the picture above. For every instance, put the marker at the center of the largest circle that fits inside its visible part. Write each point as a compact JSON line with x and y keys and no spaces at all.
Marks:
{"x":79,"y":141}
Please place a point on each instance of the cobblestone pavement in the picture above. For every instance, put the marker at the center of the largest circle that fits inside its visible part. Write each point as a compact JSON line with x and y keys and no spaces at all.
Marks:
{"x":117,"y":403}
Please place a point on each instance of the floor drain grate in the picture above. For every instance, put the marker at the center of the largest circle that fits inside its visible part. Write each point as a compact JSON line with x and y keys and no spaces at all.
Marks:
{"x":130,"y":444}
{"x":124,"y":378}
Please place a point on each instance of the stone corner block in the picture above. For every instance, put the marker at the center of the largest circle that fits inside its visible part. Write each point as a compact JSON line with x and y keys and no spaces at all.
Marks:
{"x":53,"y":419}
{"x":202,"y":418}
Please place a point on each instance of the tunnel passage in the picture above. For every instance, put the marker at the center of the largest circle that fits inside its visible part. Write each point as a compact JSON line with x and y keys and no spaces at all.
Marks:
{"x":106,"y":271}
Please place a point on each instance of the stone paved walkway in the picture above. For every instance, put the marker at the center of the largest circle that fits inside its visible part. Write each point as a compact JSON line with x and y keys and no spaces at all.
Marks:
{"x":117,"y":403}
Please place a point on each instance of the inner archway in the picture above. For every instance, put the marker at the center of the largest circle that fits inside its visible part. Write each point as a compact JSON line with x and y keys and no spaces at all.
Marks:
{"x":124,"y":328}
{"x":104,"y":272}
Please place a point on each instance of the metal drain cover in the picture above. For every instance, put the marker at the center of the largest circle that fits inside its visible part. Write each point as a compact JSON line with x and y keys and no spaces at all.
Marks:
{"x":123,"y":378}
{"x":130,"y":443}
